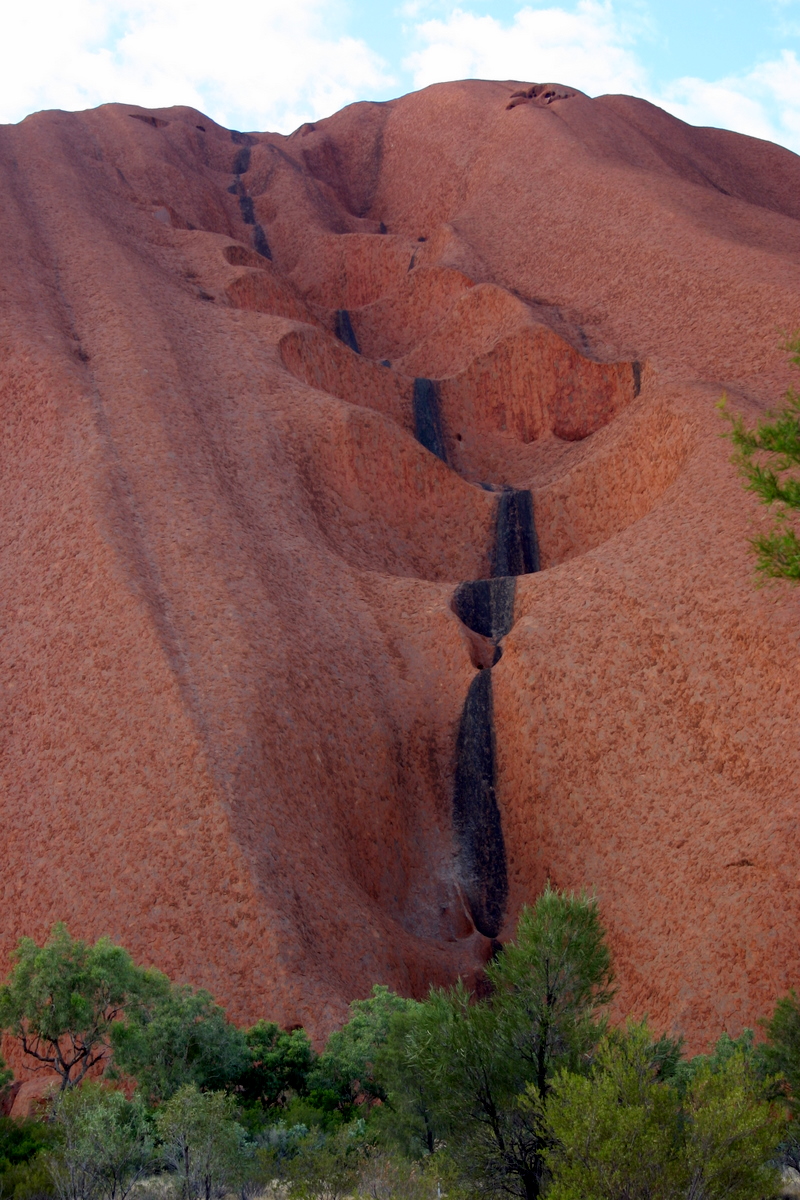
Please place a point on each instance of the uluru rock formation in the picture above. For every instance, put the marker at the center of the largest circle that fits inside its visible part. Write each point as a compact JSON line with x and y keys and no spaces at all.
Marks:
{"x":289,"y":424}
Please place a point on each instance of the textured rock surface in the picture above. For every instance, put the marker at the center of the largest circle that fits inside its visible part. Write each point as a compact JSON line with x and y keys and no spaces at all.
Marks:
{"x":232,"y":676}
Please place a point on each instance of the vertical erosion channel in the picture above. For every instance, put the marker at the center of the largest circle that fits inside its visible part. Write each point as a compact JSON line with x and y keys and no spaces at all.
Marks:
{"x":476,"y":817}
{"x":241,"y":165}
{"x":427,"y":421}
{"x":516,"y":547}
{"x":486,"y":606}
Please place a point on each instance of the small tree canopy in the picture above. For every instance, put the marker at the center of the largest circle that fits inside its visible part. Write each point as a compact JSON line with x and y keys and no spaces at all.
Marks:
{"x":551,"y":981}
{"x":328,"y":1165}
{"x":182,"y":1037}
{"x":62,"y":999}
{"x":780,"y":1054}
{"x":469,"y":1069}
{"x":412,"y":1118}
{"x":279,"y":1064}
{"x":344,"y":1073}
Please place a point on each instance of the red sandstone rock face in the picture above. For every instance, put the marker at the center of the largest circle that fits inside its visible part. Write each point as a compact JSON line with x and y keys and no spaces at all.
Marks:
{"x":232,"y":677}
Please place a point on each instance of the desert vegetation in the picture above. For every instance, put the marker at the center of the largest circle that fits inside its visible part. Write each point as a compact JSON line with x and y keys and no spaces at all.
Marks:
{"x":768,"y":457}
{"x":525,"y":1090}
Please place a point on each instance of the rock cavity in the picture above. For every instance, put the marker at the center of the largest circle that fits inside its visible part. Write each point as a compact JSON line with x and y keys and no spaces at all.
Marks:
{"x":486,"y":605}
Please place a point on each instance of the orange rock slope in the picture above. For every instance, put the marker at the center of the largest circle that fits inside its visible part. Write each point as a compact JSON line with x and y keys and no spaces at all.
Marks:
{"x":232,"y":666}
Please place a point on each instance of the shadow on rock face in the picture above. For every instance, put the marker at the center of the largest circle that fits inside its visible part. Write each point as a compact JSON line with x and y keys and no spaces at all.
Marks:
{"x":343,"y":328}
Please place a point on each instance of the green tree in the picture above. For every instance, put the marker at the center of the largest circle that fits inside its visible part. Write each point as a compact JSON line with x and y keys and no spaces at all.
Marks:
{"x":202,"y":1141}
{"x":412,"y":1117}
{"x":62,"y":999}
{"x":625,"y":1133}
{"x":344,"y":1074}
{"x":182,"y":1037}
{"x":768,"y":457}
{"x":551,"y":982}
{"x":780,"y":1054}
{"x":279,"y":1064}
{"x":616,"y":1130}
{"x":105,"y":1143}
{"x":479,"y":1064}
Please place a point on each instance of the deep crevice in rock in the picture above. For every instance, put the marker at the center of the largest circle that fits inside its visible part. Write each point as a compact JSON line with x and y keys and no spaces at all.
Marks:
{"x":241,"y":164}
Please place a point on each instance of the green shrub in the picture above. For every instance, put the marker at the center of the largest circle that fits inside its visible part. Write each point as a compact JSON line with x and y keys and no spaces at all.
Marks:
{"x":623,"y":1132}
{"x":202,"y":1141}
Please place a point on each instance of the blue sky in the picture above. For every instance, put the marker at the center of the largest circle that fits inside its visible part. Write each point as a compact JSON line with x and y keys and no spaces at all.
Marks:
{"x":271,"y":64}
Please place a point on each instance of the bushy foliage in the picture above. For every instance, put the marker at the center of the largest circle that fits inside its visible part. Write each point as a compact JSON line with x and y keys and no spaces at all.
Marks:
{"x":104,"y":1143}
{"x":182,"y":1037}
{"x":623,"y":1132}
{"x":327,"y":1165}
{"x":779,"y":1057}
{"x":768,"y":458}
{"x":22,"y":1144}
{"x":468,"y":1070}
{"x":278,"y":1065}
{"x":202,"y":1141}
{"x":343,"y":1077}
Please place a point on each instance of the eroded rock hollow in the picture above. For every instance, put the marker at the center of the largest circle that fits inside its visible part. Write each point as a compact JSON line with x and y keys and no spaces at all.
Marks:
{"x":370,"y":554}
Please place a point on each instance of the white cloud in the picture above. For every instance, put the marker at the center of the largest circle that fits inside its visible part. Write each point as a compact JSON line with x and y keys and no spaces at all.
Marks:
{"x":588,"y":49}
{"x":763,"y":102}
{"x":266,"y":64}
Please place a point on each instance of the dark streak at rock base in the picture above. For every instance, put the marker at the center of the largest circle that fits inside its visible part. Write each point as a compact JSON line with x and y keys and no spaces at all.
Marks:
{"x":476,"y":817}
